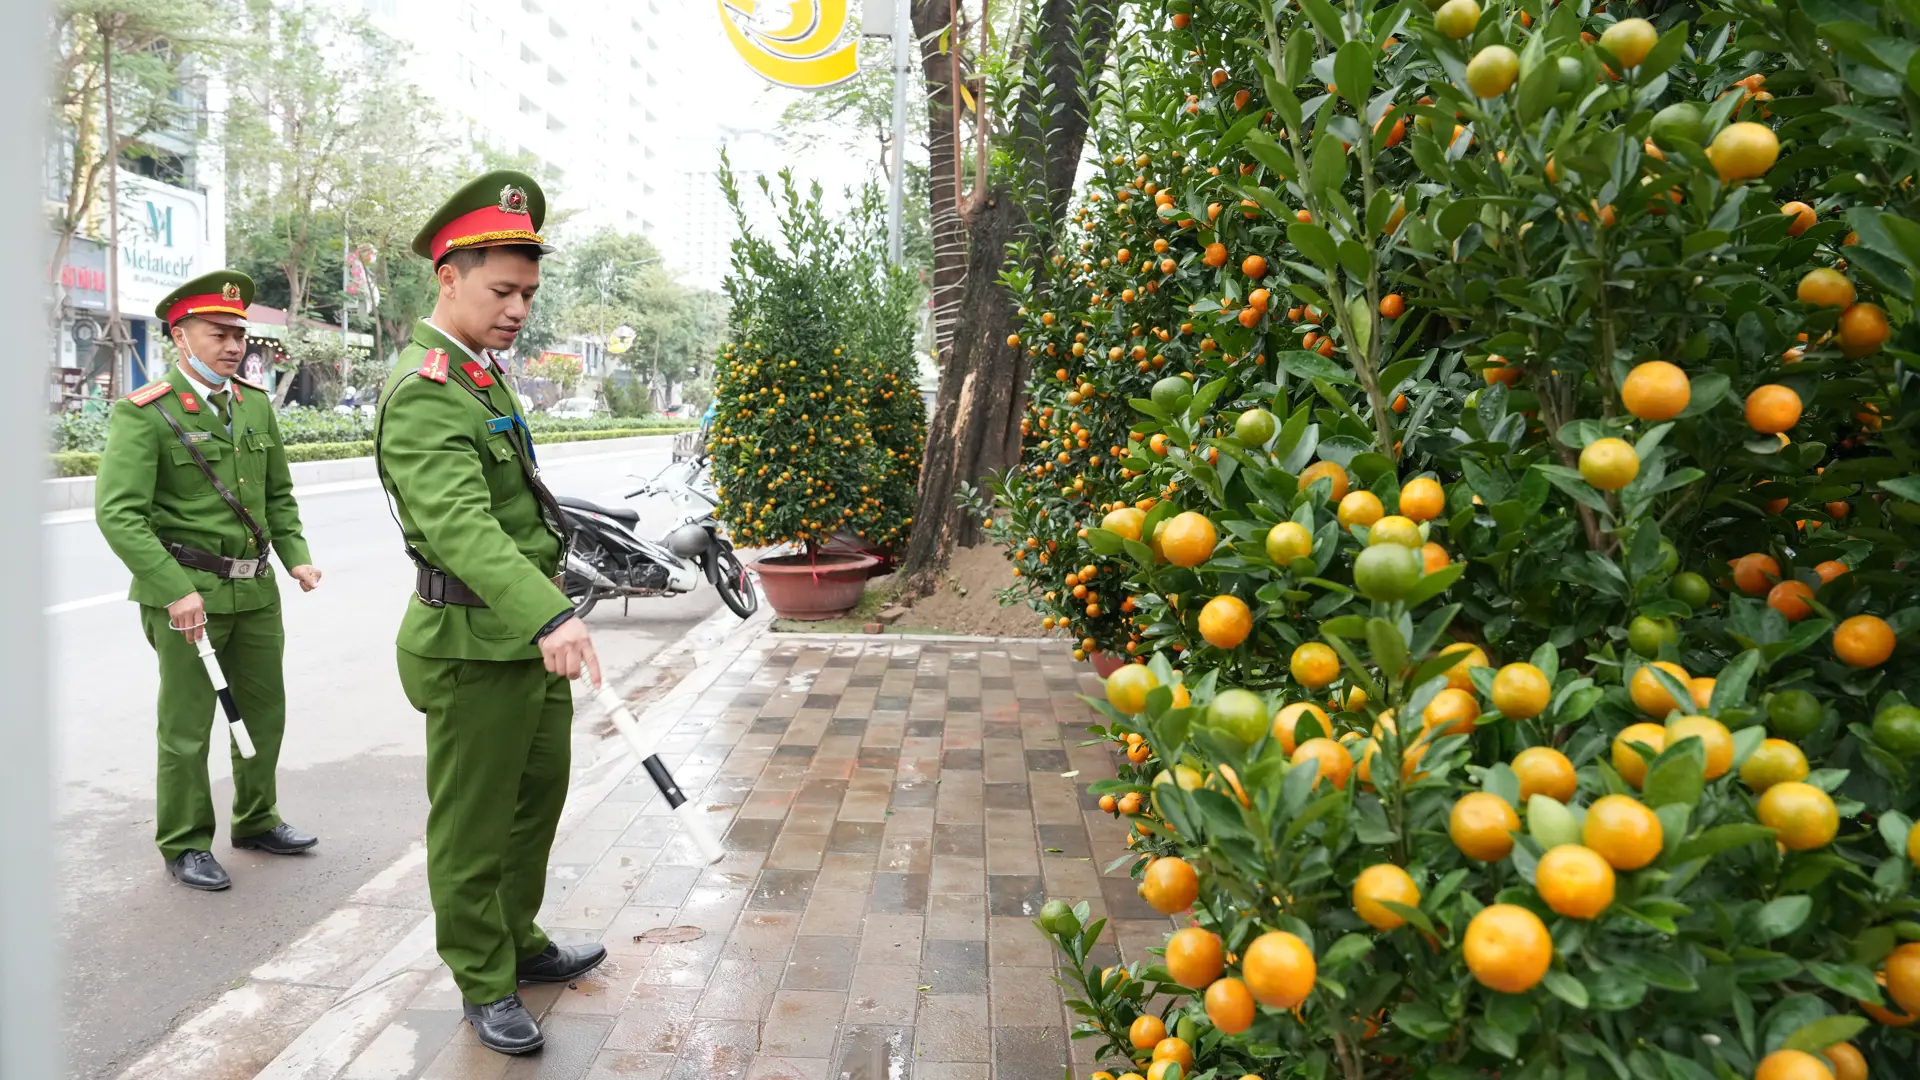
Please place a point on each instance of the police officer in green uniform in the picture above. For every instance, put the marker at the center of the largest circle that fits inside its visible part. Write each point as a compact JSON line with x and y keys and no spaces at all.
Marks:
{"x":193,"y":492}
{"x":488,"y":643}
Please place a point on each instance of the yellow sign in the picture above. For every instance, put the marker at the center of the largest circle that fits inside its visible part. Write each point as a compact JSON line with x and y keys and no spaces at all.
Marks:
{"x":812,"y":51}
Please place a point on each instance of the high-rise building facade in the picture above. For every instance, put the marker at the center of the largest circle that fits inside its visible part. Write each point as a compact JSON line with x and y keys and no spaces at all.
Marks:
{"x":585,"y":88}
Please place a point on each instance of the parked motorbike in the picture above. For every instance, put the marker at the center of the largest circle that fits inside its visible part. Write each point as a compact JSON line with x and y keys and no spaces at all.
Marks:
{"x":610,"y":559}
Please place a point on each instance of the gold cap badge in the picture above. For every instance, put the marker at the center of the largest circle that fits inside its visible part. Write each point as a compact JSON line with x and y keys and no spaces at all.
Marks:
{"x":513,"y":200}
{"x":230,"y":291}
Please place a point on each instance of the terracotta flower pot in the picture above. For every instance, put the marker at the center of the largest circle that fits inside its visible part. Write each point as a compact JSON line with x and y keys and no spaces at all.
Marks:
{"x":1105,"y":663}
{"x":814,"y":587}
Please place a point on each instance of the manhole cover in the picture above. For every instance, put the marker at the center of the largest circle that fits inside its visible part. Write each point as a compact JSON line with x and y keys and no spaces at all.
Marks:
{"x":670,"y":935}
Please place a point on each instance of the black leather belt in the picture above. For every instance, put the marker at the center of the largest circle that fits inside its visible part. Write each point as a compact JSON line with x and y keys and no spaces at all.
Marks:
{"x":437,"y":588}
{"x":218,"y":565}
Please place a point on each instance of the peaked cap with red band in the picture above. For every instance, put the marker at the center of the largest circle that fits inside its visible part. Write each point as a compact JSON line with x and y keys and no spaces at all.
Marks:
{"x":221,"y":297}
{"x":503,"y":207}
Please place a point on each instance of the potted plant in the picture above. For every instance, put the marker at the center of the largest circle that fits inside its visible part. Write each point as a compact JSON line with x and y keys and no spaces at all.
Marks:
{"x":817,"y":429}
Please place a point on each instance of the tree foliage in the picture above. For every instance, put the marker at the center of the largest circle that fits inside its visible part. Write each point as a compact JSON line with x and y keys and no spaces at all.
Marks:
{"x":818,"y":426}
{"x":1341,"y":404}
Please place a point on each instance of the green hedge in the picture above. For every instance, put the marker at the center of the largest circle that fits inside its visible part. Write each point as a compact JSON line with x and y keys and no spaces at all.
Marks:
{"x":302,"y":425}
{"x":87,"y":463}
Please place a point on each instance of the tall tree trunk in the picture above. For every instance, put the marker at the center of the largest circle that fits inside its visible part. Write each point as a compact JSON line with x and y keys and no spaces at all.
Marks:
{"x":945,"y":219}
{"x":976,"y":424}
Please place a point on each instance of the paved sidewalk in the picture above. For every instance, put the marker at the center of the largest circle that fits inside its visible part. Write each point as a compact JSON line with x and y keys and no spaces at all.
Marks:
{"x":895,"y":813}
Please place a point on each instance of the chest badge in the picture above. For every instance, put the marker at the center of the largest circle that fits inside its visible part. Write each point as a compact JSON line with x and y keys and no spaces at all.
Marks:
{"x":477,"y":373}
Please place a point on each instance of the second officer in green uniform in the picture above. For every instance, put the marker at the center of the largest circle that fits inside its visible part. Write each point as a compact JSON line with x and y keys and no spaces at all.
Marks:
{"x":193,"y":493}
{"x":488,"y":642}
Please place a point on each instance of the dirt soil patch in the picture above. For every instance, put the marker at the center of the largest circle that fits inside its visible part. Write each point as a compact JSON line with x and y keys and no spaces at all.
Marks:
{"x":967,"y":603}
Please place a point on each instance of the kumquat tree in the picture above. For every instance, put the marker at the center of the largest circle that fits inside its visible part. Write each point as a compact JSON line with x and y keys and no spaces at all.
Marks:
{"x":1476,"y":442}
{"x":818,"y":424}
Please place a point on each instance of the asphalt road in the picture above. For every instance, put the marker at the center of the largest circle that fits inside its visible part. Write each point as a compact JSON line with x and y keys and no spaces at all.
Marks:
{"x":142,"y":952}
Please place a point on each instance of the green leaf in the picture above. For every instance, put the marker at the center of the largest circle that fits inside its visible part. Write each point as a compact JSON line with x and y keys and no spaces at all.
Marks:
{"x":1270,"y":153}
{"x":1235,"y":133}
{"x":1349,"y":948}
{"x":1434,"y":584}
{"x":1778,"y":918}
{"x":1315,"y":242}
{"x":1664,"y":52}
{"x":1353,"y":70}
{"x":1566,"y":988}
{"x":1678,"y":777}
{"x":1907,"y":487}
{"x":1389,"y":648}
{"x":1721,"y":838}
{"x":1853,"y":980}
{"x":1325,"y":20}
{"x":1105,"y":543}
{"x":1730,"y":688}
{"x":1824,"y":1032}
{"x":1357,"y":261}
{"x":1311,"y":365}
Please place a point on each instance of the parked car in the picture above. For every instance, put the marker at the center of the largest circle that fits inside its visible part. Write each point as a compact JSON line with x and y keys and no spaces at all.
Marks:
{"x":578,"y":408}
{"x":682,"y":411}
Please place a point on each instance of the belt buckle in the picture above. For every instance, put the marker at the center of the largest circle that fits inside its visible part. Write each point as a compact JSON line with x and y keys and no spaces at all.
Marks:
{"x":245,"y":568}
{"x":427,"y":594}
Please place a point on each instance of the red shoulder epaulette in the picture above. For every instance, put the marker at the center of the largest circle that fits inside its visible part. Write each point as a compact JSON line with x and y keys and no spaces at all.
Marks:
{"x":249,"y":384}
{"x":434,"y":366}
{"x":151,"y":393}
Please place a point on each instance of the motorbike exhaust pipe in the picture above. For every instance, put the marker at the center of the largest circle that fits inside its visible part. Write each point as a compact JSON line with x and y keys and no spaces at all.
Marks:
{"x":582,"y":568}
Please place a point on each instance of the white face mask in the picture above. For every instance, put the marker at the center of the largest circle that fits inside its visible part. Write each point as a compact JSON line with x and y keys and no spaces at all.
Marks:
{"x":207,"y":375}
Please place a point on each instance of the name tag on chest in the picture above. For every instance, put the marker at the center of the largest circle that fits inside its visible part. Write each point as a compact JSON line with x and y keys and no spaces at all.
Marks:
{"x":199,"y":436}
{"x":499,"y":424}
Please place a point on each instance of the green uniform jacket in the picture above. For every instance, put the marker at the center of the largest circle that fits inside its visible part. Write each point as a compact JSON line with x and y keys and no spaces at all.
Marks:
{"x":465,"y":507}
{"x":150,"y":492}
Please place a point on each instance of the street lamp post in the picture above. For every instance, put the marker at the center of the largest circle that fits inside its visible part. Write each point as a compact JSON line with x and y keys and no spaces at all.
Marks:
{"x":896,"y":190}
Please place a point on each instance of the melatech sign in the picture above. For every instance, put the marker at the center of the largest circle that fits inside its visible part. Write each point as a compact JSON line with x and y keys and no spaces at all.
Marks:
{"x":163,"y":237}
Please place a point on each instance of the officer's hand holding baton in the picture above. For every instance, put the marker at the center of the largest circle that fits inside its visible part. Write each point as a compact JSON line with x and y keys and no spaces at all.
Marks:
{"x":568,"y":649}
{"x":189,"y":616}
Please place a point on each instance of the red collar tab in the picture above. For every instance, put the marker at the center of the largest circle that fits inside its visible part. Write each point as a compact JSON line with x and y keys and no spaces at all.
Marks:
{"x":234,"y":385}
{"x":204,"y":303}
{"x":477,"y":372}
{"x":434,"y":366}
{"x":485,"y":226}
{"x":147,"y":395}
{"x":189,"y":403}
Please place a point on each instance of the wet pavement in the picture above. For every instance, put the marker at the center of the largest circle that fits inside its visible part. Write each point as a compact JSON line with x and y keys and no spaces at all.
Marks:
{"x":894,"y":812}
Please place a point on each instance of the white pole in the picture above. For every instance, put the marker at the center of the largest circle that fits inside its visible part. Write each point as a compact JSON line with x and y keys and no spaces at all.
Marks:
{"x":902,"y":58}
{"x":29,"y":1010}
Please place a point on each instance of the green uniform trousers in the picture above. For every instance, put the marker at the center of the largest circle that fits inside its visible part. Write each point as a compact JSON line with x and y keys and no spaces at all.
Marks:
{"x":249,"y":645}
{"x":498,"y":758}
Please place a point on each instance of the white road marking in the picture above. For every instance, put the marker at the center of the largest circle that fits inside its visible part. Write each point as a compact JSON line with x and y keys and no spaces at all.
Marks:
{"x":81,"y":605}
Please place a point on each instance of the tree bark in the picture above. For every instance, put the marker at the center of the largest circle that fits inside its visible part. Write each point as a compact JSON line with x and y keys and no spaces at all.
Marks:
{"x":943,"y":194}
{"x":976,"y":424}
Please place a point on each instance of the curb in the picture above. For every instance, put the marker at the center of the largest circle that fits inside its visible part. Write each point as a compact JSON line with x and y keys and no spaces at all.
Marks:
{"x":293,"y":1006}
{"x":805,"y":635}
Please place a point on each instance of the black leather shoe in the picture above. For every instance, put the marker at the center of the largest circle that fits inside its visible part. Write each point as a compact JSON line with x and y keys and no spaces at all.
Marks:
{"x":561,"y":963}
{"x":282,"y":839}
{"x":504,"y":1025}
{"x":199,"y":870}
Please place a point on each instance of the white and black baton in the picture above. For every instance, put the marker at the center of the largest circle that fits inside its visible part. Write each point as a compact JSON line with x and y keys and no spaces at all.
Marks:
{"x":235,"y":726}
{"x":691,"y":819}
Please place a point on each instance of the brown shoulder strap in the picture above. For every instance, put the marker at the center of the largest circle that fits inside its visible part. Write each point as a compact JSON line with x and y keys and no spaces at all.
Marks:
{"x":259,"y":536}
{"x":540,"y":492}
